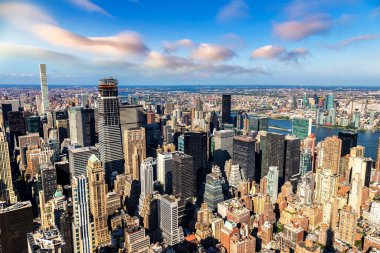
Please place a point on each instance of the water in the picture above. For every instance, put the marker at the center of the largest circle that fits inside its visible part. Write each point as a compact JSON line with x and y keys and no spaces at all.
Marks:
{"x":366,"y":139}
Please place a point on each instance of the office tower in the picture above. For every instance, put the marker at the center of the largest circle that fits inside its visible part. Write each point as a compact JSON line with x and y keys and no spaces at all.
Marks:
{"x":172,"y":233}
{"x":329,"y":101}
{"x":184,"y":178}
{"x":82,"y":126}
{"x":98,"y":203}
{"x":259,"y":123}
{"x":7,"y":193}
{"x":226,"y":108}
{"x":326,"y":185}
{"x":44,"y":90}
{"x":33,"y":124}
{"x":136,"y":240}
{"x":146,"y":180}
{"x":272,"y":183}
{"x":196,"y":147}
{"x":78,"y":159}
{"x":347,"y":225}
{"x":110,"y":143}
{"x":84,"y":100}
{"x":62,"y":129}
{"x":131,"y":116}
{"x":48,"y":181}
{"x":234,"y":177}
{"x":274,"y":154}
{"x":164,"y":171}
{"x":15,"y":222}
{"x":16,"y":122}
{"x":5,"y":109}
{"x":214,"y":189}
{"x":330,"y":153}
{"x":306,"y":161}
{"x":228,"y":230}
{"x":292,"y":157}
{"x":203,"y":223}
{"x":134,"y":151}
{"x":244,"y":155}
{"x":305,"y":188}
{"x":181,"y":143}
{"x":82,"y":227}
{"x":150,"y":118}
{"x":223,"y":150}
{"x":152,"y":138}
{"x":349,"y":140}
{"x":301,"y":127}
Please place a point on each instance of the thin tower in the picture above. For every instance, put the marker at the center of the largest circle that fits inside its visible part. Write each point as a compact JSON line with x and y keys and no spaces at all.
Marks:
{"x":44,"y":89}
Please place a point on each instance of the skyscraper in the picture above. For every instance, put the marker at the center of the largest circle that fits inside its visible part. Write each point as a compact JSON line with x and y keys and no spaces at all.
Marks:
{"x":330,"y":153}
{"x":301,"y":127}
{"x":131,"y":116}
{"x":184,"y":178}
{"x":347,"y":225}
{"x":15,"y":222}
{"x":226,"y":108}
{"x":134,"y":151}
{"x":223,"y":146}
{"x":78,"y":159}
{"x":292,"y":157}
{"x":44,"y":89}
{"x":259,"y":123}
{"x":164,"y":171}
{"x":214,"y":188}
{"x":110,"y":144}
{"x":275,"y":147}
{"x":244,"y":155}
{"x":6,"y":187}
{"x":83,"y":228}
{"x":146,"y":180}
{"x":195,"y":145}
{"x":82,"y":126}
{"x":98,"y":203}
{"x":172,"y":233}
{"x":272,"y":183}
{"x":48,"y":180}
{"x":349,"y":140}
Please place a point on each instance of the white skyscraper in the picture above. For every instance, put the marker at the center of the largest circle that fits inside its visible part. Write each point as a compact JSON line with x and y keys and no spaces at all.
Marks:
{"x":83,"y":229}
{"x":374,"y":217}
{"x":272,"y":183}
{"x":146,"y":170}
{"x":164,"y":169}
{"x":172,"y":233}
{"x":44,"y":89}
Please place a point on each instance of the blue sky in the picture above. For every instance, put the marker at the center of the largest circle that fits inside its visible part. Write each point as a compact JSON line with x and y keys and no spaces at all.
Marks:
{"x":299,"y":42}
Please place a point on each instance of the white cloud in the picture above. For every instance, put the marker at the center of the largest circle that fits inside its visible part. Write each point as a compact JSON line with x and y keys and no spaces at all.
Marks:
{"x":211,"y":53}
{"x":280,"y":53}
{"x":89,"y":6}
{"x":235,"y":9}
{"x":171,"y":47}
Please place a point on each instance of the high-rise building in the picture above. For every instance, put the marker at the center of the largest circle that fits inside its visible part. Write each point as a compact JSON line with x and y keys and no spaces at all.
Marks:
{"x":48,"y":181}
{"x":78,"y":159}
{"x":131,"y":116}
{"x":15,"y":222}
{"x":134,"y":151}
{"x":330,"y":153}
{"x":62,"y":129}
{"x":110,"y":143}
{"x":164,"y":171}
{"x":184,"y":179}
{"x":152,"y":138}
{"x":7,"y":193}
{"x":82,"y":126}
{"x":244,"y":155}
{"x":347,"y":225}
{"x":349,"y":140}
{"x":301,"y":127}
{"x":146,"y":180}
{"x":306,"y":161}
{"x":223,"y":150}
{"x":272,"y":183}
{"x":329,"y":101}
{"x":259,"y":123}
{"x":33,"y":124}
{"x":226,"y":108}
{"x":82,"y":227}
{"x":98,"y":200}
{"x":214,"y":188}
{"x":326,"y":185}
{"x":136,"y":240}
{"x":274,"y":154}
{"x":44,"y":90}
{"x":172,"y":233}
{"x":195,"y":145}
{"x":292,"y":157}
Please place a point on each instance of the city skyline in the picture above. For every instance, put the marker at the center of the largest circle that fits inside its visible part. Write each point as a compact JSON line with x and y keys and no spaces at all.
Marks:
{"x":204,"y":43}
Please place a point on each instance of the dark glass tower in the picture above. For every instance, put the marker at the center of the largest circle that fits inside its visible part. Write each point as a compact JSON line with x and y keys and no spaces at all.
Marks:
{"x":184,"y":180}
{"x":195,"y":145}
{"x":292,"y":158}
{"x":110,"y":146}
{"x":226,"y":108}
{"x":349,"y":140}
{"x":244,"y":155}
{"x":275,"y":146}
